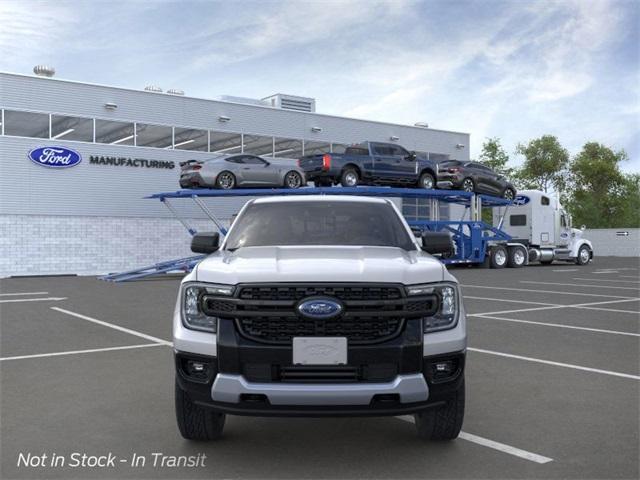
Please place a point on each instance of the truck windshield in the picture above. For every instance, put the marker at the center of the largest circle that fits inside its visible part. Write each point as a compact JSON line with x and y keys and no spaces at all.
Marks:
{"x":319,"y":223}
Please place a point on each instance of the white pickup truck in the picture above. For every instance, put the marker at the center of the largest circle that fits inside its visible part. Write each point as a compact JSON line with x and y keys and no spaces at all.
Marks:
{"x":319,"y":306}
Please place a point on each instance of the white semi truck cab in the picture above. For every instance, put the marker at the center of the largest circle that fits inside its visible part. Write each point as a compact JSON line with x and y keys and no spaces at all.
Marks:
{"x":537,"y":222}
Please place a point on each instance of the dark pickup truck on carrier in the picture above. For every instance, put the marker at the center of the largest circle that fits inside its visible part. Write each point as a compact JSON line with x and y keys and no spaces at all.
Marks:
{"x":371,"y":163}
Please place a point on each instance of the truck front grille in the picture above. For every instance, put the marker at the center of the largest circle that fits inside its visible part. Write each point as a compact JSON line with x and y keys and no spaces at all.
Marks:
{"x":281,"y":330}
{"x":372,"y":312}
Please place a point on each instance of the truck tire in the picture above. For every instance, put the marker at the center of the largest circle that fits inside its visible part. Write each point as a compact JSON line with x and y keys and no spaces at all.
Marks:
{"x":427,"y":181}
{"x":349,"y":177}
{"x":499,"y":256}
{"x":517,"y":257}
{"x":584,"y":255}
{"x":196,"y":422}
{"x":442,"y":423}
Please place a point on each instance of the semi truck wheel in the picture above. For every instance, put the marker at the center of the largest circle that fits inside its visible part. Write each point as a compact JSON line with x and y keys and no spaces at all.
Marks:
{"x":584,"y":255}
{"x":442,"y":423}
{"x":194,"y":421}
{"x":499,"y":257}
{"x":517,"y":257}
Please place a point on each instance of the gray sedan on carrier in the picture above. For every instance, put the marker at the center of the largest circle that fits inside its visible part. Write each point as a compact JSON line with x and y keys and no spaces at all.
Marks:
{"x":241,"y":170}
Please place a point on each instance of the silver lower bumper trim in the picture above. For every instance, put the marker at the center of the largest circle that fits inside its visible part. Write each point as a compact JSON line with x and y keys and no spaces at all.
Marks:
{"x":444,"y":184}
{"x":410,"y":388}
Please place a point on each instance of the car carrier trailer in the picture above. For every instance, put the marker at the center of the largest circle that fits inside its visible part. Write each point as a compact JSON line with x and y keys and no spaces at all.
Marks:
{"x":499,"y":245}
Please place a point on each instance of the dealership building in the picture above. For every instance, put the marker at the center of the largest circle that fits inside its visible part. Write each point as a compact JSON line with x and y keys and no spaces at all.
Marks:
{"x":92,"y":217}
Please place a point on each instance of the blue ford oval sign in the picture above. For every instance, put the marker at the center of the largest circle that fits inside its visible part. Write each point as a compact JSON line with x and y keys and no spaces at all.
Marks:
{"x":319,"y":308}
{"x":521,"y":200}
{"x":55,"y":157}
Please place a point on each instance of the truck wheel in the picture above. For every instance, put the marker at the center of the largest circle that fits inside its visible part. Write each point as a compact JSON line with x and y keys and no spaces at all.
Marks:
{"x":349,"y":178}
{"x":442,"y":423}
{"x":427,"y":181}
{"x":517,"y":257}
{"x":499,"y":257}
{"x":194,"y":421}
{"x":226,"y":180}
{"x":584,"y":255}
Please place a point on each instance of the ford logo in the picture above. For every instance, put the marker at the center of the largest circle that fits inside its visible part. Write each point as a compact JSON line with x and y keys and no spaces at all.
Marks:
{"x":521,"y":200}
{"x":55,"y":157}
{"x":320,"y":308}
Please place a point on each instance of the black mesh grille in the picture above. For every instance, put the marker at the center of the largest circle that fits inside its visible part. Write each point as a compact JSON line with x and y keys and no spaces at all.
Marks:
{"x":340,"y":292}
{"x":283,"y":329}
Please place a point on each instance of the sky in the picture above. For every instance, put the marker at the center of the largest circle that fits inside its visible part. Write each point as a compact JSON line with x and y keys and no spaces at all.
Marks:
{"x":509,"y":69}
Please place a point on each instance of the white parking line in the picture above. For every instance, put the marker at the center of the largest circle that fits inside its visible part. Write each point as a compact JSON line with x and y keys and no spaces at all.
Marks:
{"x":555,"y":364}
{"x":588,"y":306}
{"x":628,"y":276}
{"x":604,"y":280}
{"x":529,"y":302}
{"x":581,"y":285}
{"x":529,"y":290}
{"x":501,"y":447}
{"x":558,"y":325}
{"x":23,"y":293}
{"x":77,"y":352}
{"x":111,"y":325}
{"x":20,"y":300}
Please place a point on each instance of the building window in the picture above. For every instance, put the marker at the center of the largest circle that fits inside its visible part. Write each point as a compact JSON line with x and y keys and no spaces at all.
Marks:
{"x":114,"y":133}
{"x":71,"y":128}
{"x":190,"y":139}
{"x":26,"y":124}
{"x":225,"y":142}
{"x":258,"y":145}
{"x":315,"y":148}
{"x":415,"y":208}
{"x":287,"y":148}
{"x":157,"y":136}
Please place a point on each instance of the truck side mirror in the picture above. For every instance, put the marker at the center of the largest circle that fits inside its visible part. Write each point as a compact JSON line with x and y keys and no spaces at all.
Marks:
{"x":208,"y":242}
{"x":412,"y":156}
{"x":437,"y":243}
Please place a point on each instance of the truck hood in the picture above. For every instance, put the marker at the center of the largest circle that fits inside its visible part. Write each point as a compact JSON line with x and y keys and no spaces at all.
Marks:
{"x":320,"y":264}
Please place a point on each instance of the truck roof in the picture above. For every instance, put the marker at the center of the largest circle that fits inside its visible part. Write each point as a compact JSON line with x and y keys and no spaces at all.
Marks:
{"x":320,"y":198}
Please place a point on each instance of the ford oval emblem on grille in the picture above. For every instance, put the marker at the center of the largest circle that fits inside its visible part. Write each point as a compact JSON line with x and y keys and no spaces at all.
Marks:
{"x":320,"y":308}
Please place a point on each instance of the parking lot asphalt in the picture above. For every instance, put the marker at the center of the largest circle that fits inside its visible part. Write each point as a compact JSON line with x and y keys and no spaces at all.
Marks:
{"x":552,"y":387}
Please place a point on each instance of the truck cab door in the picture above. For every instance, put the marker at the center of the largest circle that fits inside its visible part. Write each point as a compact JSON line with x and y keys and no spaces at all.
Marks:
{"x":383,"y":160}
{"x":405,"y":165}
{"x":564,"y":236}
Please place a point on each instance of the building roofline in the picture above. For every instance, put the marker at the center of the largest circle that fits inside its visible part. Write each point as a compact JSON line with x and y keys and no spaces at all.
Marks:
{"x":231,"y":103}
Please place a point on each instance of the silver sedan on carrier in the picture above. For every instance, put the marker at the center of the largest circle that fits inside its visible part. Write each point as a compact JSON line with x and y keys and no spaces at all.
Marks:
{"x":241,"y":170}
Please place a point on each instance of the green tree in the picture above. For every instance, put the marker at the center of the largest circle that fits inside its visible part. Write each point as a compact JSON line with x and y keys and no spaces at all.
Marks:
{"x":600,"y":195}
{"x":494,"y":156}
{"x":545,"y":164}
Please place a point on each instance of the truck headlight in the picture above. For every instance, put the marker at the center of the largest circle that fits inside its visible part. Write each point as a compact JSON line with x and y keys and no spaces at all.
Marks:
{"x":193,"y":317}
{"x":446,"y":316}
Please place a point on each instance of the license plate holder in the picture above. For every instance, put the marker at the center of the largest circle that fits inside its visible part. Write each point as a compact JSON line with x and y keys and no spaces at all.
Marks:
{"x":319,"y":350}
